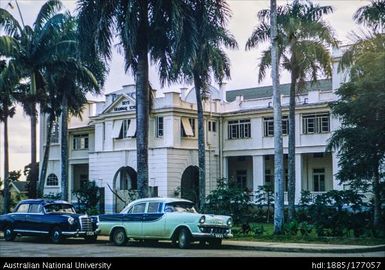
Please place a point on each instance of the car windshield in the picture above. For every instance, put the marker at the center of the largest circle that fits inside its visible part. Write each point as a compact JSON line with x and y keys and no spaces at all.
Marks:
{"x":180,"y":207}
{"x":59,"y":208}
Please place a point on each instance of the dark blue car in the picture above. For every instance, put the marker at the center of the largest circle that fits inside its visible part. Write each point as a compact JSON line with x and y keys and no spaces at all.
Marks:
{"x":41,"y":217}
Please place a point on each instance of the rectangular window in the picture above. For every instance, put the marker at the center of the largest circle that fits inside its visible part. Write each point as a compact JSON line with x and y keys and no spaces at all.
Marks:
{"x":239,"y":129}
{"x":319,"y":179}
{"x":55,"y":132}
{"x":188,"y":127}
{"x":241,"y":178}
{"x":212,"y":126}
{"x":269,"y":178}
{"x":315,"y":123}
{"x":80,"y":142}
{"x":269,"y":126}
{"x":159,"y":127}
{"x":127,"y":129}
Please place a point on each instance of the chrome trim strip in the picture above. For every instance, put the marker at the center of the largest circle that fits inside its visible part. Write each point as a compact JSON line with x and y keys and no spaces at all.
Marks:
{"x":30,"y":231}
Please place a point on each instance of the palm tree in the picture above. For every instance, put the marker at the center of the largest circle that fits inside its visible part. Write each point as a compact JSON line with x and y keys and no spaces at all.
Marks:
{"x":7,"y":110}
{"x":206,"y":60}
{"x":372,"y":15}
{"x":29,"y":50}
{"x":144,"y":27}
{"x":303,"y":40}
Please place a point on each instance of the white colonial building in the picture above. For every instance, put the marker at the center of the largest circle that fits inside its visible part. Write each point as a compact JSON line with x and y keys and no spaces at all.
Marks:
{"x":239,"y":142}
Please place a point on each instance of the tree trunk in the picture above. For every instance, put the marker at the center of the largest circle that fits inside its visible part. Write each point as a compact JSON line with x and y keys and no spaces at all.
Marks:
{"x":64,"y":149}
{"x":377,"y":200}
{"x":278,"y":147}
{"x":201,"y":141}
{"x":34,"y":171}
{"x":142,"y":103}
{"x":45,"y":158}
{"x":291,"y":154}
{"x":6,"y":168}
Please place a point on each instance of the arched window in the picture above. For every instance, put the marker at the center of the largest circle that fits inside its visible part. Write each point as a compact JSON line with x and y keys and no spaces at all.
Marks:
{"x":52,"y":180}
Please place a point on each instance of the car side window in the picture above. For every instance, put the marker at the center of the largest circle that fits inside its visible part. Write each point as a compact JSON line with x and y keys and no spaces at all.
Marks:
{"x":139,"y":208}
{"x":35,"y":208}
{"x":23,"y":208}
{"x":154,"y":207}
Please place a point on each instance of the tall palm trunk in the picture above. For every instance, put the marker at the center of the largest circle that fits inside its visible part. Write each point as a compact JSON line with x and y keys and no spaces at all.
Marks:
{"x":278,"y":147}
{"x":6,"y":168}
{"x":377,"y":199}
{"x":34,"y":173}
{"x":64,"y":149}
{"x":142,"y":103}
{"x":201,"y":141}
{"x":291,"y":154}
{"x":43,"y":171}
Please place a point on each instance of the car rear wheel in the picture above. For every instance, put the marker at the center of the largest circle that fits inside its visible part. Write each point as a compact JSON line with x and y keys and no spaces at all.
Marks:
{"x":9,"y":234}
{"x":119,"y":237}
{"x":56,"y":235}
{"x":184,"y":238}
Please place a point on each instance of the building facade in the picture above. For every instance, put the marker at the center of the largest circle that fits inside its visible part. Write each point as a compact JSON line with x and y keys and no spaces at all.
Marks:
{"x":239,"y":142}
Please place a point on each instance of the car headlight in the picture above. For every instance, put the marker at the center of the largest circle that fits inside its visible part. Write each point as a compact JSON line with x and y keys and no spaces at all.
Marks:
{"x":229,"y":222}
{"x":71,"y":220}
{"x":202,"y":219}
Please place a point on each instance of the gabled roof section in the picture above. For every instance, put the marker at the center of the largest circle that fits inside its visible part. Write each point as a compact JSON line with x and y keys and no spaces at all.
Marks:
{"x":118,"y":101}
{"x":20,"y":186}
{"x":267,"y":91}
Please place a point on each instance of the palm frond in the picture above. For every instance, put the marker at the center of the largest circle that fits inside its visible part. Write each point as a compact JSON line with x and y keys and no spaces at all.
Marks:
{"x":49,"y":9}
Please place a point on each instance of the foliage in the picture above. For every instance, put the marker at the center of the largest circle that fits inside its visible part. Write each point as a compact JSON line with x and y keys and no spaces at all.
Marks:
{"x":228,"y":199}
{"x":264,"y":196}
{"x":361,"y":109}
{"x":291,"y":228}
{"x":88,"y":198}
{"x":372,"y":15}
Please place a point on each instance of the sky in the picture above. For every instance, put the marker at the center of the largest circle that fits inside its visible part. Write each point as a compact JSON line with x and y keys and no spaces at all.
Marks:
{"x":243,"y":63}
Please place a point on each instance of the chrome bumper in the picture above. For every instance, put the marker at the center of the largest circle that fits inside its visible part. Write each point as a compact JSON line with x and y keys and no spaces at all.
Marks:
{"x":81,"y":233}
{"x":212,"y":235}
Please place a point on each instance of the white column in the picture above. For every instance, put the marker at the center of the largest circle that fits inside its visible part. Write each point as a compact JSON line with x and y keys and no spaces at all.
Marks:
{"x":258,"y":172}
{"x":225,"y":169}
{"x":298,"y":177}
{"x":335,"y":166}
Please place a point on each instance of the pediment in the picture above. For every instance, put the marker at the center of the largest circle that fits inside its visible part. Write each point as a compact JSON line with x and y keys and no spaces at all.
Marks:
{"x":124,"y":103}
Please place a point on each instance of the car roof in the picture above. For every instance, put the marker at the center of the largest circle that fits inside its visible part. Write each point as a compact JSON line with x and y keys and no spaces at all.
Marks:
{"x":161,"y":199}
{"x":44,"y":201}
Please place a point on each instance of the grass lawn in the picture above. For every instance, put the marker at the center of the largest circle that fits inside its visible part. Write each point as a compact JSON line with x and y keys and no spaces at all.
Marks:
{"x":267,"y":236}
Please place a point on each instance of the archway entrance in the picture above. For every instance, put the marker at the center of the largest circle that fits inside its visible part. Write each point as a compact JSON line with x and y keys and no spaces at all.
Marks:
{"x":124,"y":182}
{"x":190,"y":184}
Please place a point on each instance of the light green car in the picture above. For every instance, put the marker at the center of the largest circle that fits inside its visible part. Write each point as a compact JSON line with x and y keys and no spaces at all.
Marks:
{"x":165,"y":219}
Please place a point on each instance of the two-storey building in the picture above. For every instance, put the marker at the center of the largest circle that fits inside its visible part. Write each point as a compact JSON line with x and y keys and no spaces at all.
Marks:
{"x":239,"y":142}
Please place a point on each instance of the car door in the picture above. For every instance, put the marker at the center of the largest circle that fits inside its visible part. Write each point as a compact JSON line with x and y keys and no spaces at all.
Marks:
{"x":18,"y":217}
{"x":153,"y":221}
{"x":133,"y":220}
{"x":35,"y":219}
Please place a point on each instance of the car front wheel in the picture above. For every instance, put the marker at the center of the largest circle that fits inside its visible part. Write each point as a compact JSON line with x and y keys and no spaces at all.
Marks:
{"x":184,"y":238}
{"x":119,"y":237}
{"x":9,"y":234}
{"x":56,"y":235}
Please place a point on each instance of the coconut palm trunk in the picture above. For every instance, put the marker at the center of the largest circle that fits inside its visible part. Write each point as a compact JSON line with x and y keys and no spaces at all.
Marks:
{"x":291,"y":152}
{"x":44,"y":163}
{"x":6,"y":168}
{"x":34,"y":173}
{"x":278,"y":147}
{"x":64,"y":149}
{"x":142,"y":104}
{"x":201,"y":141}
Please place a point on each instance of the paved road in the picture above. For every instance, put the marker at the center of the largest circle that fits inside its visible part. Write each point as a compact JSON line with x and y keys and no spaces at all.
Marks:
{"x":36,"y":247}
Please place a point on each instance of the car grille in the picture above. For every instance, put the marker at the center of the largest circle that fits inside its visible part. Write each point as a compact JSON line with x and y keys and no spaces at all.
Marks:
{"x":213,"y":230}
{"x":85,"y":224}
